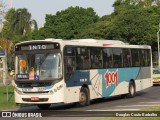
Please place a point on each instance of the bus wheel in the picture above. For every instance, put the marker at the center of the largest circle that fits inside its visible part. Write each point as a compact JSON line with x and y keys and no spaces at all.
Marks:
{"x":44,"y":106}
{"x":132,"y":90}
{"x":84,"y":98}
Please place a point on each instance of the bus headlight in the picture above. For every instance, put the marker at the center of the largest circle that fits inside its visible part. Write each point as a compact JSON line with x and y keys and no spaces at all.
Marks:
{"x":18,"y":91}
{"x":51,"y":91}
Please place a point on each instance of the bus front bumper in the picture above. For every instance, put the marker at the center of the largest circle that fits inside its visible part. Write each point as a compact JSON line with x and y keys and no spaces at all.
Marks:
{"x":38,"y":98}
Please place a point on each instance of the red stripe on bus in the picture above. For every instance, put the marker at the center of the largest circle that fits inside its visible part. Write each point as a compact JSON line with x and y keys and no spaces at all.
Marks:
{"x":107,"y":44}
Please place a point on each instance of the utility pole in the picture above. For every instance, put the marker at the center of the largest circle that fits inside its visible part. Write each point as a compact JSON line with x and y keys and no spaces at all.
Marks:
{"x":11,"y":4}
{"x":158,"y":46}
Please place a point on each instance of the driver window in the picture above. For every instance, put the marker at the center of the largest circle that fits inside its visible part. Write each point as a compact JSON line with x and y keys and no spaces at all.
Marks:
{"x":69,"y":62}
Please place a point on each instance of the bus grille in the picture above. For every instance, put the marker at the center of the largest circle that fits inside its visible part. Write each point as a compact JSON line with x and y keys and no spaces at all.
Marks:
{"x":40,"y":100}
{"x":40,"y":92}
{"x":40,"y":84}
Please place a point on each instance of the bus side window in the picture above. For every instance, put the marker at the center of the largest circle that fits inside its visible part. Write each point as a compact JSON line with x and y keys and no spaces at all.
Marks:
{"x":117,"y":57}
{"x":148,"y":58}
{"x":86,"y":63}
{"x":69,"y":62}
{"x":107,"y":57}
{"x":79,"y":61}
{"x":82,"y":58}
{"x":136,"y":57}
{"x":145,"y":58}
{"x":127,"y":60}
{"x":96,"y":58}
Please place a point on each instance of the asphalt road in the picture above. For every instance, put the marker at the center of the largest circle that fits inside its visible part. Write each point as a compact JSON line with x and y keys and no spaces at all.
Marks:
{"x":146,"y":98}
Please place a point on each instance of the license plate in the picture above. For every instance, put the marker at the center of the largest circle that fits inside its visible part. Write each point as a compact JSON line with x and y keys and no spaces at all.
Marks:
{"x":26,"y":90}
{"x":34,"y":98}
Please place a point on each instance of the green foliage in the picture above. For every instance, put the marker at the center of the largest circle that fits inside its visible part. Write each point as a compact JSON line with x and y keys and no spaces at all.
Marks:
{"x":4,"y":104}
{"x":18,"y":25}
{"x":66,"y":24}
{"x":132,"y":26}
{"x":7,"y":33}
{"x":130,"y":22}
{"x":133,"y":21}
{"x":136,"y":25}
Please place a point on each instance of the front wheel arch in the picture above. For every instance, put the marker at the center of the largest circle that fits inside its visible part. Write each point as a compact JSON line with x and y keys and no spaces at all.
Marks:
{"x":84,"y":97}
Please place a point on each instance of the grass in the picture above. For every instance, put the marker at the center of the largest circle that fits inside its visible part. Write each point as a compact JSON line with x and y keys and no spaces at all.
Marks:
{"x":156,"y":108}
{"x":4,"y":104}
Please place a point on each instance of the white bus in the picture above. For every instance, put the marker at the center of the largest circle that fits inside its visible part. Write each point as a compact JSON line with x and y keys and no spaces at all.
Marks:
{"x":76,"y":71}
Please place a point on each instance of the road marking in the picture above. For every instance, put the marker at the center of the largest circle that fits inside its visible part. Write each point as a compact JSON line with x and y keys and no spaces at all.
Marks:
{"x":138,"y":105}
{"x":151,"y":102}
{"x":116,"y":110}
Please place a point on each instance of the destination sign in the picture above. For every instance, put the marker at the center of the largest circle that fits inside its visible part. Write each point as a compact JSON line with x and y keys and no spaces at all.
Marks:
{"x":37,"y":47}
{"x":22,"y":76}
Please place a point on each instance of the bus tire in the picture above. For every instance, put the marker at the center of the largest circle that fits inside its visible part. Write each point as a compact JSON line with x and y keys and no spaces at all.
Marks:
{"x":44,"y":106}
{"x":84,"y":98}
{"x":132,"y":90}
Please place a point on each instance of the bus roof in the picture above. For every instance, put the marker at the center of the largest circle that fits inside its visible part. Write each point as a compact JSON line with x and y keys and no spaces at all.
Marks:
{"x":79,"y":40}
{"x":89,"y":42}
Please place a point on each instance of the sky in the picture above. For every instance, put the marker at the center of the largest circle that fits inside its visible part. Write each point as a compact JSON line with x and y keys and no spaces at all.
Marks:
{"x":39,"y":8}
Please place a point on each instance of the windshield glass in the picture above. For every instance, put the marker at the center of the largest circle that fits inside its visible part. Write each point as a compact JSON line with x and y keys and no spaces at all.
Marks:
{"x":46,"y":66}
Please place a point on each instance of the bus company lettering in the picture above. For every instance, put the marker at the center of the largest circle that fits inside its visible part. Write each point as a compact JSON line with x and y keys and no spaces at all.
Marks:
{"x":37,"y":47}
{"x":111,"y":78}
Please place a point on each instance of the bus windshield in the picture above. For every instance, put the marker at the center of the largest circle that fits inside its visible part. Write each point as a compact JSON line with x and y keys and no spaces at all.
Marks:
{"x":44,"y":66}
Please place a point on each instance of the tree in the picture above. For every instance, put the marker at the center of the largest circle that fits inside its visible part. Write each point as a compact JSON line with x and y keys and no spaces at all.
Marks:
{"x":67,"y":24}
{"x":136,"y":25}
{"x":7,"y":31}
{"x":18,"y":25}
{"x":130,"y":22}
{"x":96,"y":30}
{"x":132,"y":26}
{"x":2,"y":14}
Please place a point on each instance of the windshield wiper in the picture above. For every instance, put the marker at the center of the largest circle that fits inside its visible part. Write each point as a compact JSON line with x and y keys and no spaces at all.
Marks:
{"x":42,"y":59}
